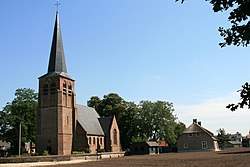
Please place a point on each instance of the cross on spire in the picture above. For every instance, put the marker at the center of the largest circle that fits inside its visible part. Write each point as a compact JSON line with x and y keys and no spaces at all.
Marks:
{"x":57,"y":5}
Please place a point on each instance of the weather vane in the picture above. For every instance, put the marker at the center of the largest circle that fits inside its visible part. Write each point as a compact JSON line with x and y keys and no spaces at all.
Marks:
{"x":57,"y":5}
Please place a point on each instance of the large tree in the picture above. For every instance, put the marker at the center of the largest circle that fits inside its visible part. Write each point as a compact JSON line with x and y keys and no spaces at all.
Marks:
{"x":239,"y":18}
{"x":22,"y":110}
{"x":222,"y":137}
{"x":158,"y":122}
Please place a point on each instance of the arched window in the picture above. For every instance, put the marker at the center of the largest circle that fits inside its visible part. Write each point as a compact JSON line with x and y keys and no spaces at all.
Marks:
{"x":115,"y":136}
{"x":94,"y":140}
{"x":100,"y":141}
{"x":89,"y":140}
{"x":64,"y":88}
{"x":53,"y":88}
{"x":45,"y":89}
{"x":70,"y":90}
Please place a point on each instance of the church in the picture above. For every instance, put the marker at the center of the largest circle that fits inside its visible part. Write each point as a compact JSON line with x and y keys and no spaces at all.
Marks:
{"x":62,"y":125}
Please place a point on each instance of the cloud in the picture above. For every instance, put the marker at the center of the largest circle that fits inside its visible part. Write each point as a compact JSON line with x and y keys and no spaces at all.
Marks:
{"x":214,"y":115}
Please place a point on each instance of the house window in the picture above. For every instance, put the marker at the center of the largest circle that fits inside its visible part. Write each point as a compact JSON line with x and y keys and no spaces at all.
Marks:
{"x":198,"y":134}
{"x":185,"y":145}
{"x":64,"y":88}
{"x":204,"y":144}
{"x":53,"y":88}
{"x":115,"y":136}
{"x":190,"y":135}
{"x":45,"y":89}
{"x":94,"y":140}
{"x":89,"y":140}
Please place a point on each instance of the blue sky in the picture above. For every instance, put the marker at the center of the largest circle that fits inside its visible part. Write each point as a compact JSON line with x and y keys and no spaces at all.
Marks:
{"x":142,"y":50}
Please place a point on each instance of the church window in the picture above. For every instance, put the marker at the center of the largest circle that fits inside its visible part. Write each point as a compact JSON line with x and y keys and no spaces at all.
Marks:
{"x":45,"y":89}
{"x":64,"y":88}
{"x":70,"y":90}
{"x":53,"y":88}
{"x":115,"y":136}
{"x":89,"y":140}
{"x":94,"y":140}
{"x":101,"y":141}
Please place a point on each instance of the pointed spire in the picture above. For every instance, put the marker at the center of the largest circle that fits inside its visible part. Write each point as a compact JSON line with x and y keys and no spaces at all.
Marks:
{"x":57,"y":62}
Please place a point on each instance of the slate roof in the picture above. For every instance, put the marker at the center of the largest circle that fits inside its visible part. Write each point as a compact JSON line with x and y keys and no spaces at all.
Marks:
{"x":235,"y":142}
{"x":106,"y":123}
{"x":57,"y":63}
{"x":88,"y":119}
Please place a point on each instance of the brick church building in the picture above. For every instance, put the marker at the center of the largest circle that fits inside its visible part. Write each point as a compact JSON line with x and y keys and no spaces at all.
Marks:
{"x":62,"y":125}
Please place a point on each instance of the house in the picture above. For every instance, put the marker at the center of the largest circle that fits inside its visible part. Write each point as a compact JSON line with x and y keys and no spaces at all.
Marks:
{"x":112,"y":134}
{"x":163,"y":146}
{"x":246,"y":140}
{"x":197,"y":138}
{"x":235,"y":141}
{"x":233,"y":144}
{"x":235,"y":137}
{"x":139,"y":148}
{"x":62,"y":125}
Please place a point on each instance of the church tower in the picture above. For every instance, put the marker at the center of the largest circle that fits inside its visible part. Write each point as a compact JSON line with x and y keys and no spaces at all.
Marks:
{"x":56,"y":115}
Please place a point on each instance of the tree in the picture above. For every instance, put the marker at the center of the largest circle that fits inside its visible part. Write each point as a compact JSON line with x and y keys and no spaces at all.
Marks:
{"x":157,"y":121}
{"x":113,"y":104}
{"x":179,"y":128}
{"x":238,"y":34}
{"x":21,"y":110}
{"x":239,"y":14}
{"x":244,"y":98}
{"x":148,"y":120}
{"x":222,"y":137}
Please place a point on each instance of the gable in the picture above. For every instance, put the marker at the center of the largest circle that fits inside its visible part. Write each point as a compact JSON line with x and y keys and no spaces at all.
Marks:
{"x":88,"y":119}
{"x":105,"y":123}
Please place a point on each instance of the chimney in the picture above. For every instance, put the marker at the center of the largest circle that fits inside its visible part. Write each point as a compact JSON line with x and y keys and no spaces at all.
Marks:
{"x":199,"y":123}
{"x":195,"y":121}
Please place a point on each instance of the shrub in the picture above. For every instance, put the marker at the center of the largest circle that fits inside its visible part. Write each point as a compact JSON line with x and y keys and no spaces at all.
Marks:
{"x":45,"y":153}
{"x":86,"y":150}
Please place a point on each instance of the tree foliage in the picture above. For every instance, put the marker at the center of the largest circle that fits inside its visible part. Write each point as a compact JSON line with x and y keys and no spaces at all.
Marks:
{"x":21,"y":110}
{"x":244,"y":98}
{"x":146,"y":121}
{"x":156,"y":121}
{"x":222,"y":137}
{"x":239,"y":14}
{"x":113,"y":104}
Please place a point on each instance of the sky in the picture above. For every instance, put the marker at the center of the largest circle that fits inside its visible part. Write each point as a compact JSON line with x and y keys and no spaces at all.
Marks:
{"x":141,"y":50}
